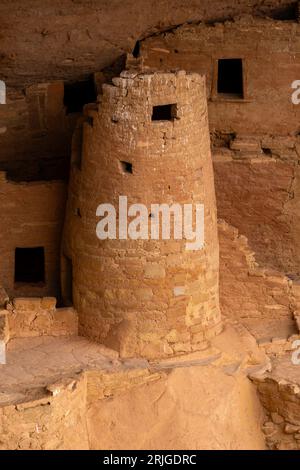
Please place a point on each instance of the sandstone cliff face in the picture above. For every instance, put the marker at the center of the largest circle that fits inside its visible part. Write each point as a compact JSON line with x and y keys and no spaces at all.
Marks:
{"x":188,"y":409}
{"x":70,"y":39}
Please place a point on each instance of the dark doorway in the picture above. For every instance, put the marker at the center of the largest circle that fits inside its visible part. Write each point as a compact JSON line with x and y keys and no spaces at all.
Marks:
{"x":77,"y":94}
{"x":126,"y":167}
{"x":230,"y":77}
{"x":30,"y":265}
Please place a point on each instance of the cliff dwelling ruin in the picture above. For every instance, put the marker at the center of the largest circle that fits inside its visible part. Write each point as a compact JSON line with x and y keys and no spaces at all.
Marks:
{"x":150,"y":220}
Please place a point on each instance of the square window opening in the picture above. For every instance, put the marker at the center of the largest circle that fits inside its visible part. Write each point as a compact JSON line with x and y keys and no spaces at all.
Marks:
{"x":126,"y":167}
{"x":30,"y":265}
{"x":166,"y":112}
{"x":230,"y":78}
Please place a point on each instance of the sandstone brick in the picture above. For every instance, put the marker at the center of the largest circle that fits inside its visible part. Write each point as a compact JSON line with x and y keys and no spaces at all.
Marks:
{"x":154,"y":271}
{"x":40,"y":321}
{"x":48,"y":303}
{"x":4,"y":327}
{"x":27,"y":303}
{"x":144,"y":293}
{"x":291,"y":428}
{"x":276,"y":418}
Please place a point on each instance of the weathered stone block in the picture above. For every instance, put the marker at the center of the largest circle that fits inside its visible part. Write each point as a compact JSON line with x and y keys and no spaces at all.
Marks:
{"x":48,"y":303}
{"x":27,"y":303}
{"x":154,"y":271}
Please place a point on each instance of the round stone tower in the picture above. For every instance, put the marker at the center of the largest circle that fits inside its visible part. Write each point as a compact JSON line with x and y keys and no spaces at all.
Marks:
{"x":138,"y":291}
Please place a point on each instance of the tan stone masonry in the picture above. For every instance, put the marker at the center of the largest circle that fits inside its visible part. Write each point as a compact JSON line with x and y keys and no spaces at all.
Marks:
{"x":144,"y":297}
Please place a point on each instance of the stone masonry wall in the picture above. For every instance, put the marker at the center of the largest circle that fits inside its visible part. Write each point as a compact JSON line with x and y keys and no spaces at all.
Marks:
{"x":257,"y":178}
{"x":35,"y":133}
{"x":261,"y":198}
{"x":269,"y":50}
{"x":51,"y":421}
{"x":281,"y":399}
{"x":28,"y":317}
{"x":149,"y":298}
{"x":32,"y":215}
{"x":248,"y":292}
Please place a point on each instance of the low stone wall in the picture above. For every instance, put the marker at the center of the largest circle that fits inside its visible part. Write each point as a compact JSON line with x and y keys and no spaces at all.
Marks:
{"x":281,"y":399}
{"x":33,"y":217}
{"x":35,"y":316}
{"x":51,"y":421}
{"x":279,"y":346}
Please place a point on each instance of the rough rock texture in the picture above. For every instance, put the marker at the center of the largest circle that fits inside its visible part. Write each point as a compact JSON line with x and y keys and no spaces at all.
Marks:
{"x":42,"y":46}
{"x":173,"y":411}
{"x":4,"y":327}
{"x":296,"y":301}
{"x":145,"y":297}
{"x":69,"y":39}
{"x":279,"y":386}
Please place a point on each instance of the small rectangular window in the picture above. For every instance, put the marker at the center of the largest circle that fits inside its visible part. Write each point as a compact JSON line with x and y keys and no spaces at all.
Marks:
{"x":230,"y":78}
{"x":30,"y":265}
{"x":166,"y":112}
{"x":126,"y":167}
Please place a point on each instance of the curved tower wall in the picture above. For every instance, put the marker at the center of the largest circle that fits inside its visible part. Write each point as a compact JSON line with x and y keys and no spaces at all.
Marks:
{"x":146,"y":298}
